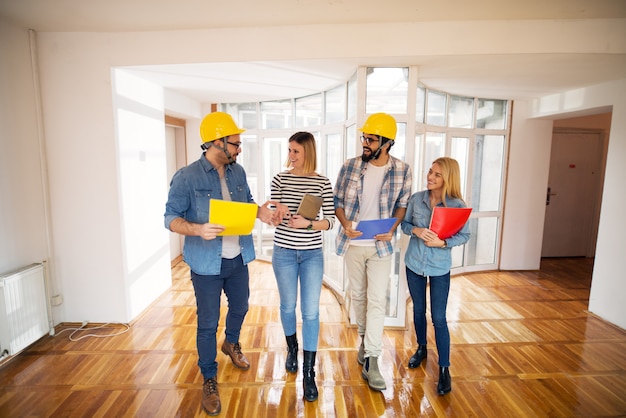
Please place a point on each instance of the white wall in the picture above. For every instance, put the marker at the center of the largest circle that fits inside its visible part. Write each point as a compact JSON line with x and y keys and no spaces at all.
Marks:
{"x":22,"y":202}
{"x":608,"y":287}
{"x":85,"y":198}
{"x":524,"y":205}
{"x":529,"y":161}
{"x":142,"y":174}
{"x":82,"y":148}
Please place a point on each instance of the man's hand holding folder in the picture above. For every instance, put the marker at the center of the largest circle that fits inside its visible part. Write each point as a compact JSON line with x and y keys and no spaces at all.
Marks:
{"x":371,"y":228}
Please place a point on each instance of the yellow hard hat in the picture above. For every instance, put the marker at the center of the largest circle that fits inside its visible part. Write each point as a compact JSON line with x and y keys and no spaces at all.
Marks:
{"x":380,"y":124}
{"x":218,"y":125}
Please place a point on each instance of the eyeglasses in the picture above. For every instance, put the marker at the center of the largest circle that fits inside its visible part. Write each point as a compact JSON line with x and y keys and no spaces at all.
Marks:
{"x":367,"y":140}
{"x":234,"y":144}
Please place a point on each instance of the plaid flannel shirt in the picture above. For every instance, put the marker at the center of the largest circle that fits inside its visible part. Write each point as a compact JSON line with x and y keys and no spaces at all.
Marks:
{"x":394,"y":194}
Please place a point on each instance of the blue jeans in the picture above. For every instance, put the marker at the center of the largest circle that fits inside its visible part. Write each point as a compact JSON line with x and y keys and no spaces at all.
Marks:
{"x":307,"y":266}
{"x":439,"y":290}
{"x":234,"y":280}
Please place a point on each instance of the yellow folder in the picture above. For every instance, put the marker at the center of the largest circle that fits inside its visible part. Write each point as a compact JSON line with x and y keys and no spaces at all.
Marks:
{"x":237,"y":217}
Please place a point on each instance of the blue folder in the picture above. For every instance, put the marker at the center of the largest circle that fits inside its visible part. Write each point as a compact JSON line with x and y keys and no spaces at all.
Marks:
{"x":374,"y":227}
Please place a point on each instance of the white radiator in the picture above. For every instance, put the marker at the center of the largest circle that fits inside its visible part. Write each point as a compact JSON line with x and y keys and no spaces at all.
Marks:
{"x":23,"y":308}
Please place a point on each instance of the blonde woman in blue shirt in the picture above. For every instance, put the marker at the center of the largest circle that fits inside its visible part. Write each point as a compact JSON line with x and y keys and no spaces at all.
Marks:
{"x":428,"y":258}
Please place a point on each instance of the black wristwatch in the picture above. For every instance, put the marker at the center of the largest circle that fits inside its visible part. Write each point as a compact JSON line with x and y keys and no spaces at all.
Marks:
{"x":445,"y":244}
{"x":310,"y":227}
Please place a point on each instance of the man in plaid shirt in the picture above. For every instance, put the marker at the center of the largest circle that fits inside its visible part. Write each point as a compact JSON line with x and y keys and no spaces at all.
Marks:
{"x":373,"y":186}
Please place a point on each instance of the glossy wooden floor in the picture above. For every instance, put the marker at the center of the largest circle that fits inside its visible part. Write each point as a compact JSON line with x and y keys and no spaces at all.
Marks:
{"x":523,"y":346}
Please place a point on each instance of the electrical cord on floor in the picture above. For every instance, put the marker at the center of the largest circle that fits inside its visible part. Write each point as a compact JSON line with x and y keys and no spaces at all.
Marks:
{"x":83,"y":327}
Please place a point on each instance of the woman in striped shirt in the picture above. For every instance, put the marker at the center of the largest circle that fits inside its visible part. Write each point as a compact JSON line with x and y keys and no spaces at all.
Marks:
{"x":298,"y":254}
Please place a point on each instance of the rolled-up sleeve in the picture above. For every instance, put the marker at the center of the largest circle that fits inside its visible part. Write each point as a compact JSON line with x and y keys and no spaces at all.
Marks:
{"x":178,"y":200}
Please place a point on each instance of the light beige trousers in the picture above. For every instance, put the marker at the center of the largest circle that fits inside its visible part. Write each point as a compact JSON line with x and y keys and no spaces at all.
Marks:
{"x":368,"y":277}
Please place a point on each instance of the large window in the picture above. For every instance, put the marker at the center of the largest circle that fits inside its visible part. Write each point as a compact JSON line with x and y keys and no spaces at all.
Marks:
{"x":335,"y":105}
{"x":277,"y":114}
{"x":471,"y":130}
{"x":387,"y":90}
{"x":333,"y":264}
{"x":309,"y":111}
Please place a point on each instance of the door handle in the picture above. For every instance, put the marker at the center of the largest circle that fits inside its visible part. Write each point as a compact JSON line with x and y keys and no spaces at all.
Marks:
{"x":548,"y":195}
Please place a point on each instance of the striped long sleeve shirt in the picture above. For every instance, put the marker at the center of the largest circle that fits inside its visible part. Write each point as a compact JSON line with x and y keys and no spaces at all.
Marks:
{"x":289,"y":189}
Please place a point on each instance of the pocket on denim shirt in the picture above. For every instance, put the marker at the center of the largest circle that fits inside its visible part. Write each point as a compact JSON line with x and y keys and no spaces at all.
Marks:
{"x":239,"y":194}
{"x":202,"y":198}
{"x":421,"y":219}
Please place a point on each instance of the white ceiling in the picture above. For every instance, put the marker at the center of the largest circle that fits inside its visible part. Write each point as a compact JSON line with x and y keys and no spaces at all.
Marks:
{"x":494,"y":76}
{"x":148,"y":15}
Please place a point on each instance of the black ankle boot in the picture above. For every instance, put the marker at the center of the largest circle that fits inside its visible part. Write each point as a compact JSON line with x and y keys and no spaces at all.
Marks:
{"x":308,"y":376}
{"x":419,"y":356}
{"x":291,"y":364}
{"x":445,"y":381}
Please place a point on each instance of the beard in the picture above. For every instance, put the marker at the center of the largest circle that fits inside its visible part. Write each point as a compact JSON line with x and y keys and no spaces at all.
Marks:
{"x":232,"y":159}
{"x":368,"y":157}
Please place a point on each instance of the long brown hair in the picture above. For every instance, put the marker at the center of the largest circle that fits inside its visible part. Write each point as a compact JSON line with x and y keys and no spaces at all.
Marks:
{"x":451,"y":174}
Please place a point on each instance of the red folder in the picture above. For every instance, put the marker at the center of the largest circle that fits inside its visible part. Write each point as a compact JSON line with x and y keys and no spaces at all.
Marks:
{"x":446,"y":222}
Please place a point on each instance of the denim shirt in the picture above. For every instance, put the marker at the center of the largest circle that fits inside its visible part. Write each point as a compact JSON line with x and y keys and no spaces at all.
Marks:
{"x":423,"y":260}
{"x":191,"y":189}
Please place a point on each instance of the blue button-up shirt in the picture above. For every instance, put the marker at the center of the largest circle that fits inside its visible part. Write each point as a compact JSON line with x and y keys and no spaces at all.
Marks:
{"x":191,"y":189}
{"x":421,"y":259}
{"x":394,"y":194}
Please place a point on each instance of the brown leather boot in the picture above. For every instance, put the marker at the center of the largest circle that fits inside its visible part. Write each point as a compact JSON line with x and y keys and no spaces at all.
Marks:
{"x":234,"y":351}
{"x":211,"y":397}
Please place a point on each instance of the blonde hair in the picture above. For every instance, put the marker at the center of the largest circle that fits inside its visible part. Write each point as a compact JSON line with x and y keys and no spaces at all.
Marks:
{"x":307,"y":140}
{"x":451,"y":174}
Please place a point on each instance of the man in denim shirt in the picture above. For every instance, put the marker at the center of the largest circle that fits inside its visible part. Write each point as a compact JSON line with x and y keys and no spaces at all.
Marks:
{"x":217,"y":262}
{"x":373,"y":186}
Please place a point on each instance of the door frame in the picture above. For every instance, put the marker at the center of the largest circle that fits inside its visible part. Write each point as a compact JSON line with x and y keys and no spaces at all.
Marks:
{"x":180,"y":150}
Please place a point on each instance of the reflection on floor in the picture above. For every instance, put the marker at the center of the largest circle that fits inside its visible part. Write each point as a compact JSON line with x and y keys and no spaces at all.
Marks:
{"x":523,"y":344}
